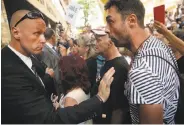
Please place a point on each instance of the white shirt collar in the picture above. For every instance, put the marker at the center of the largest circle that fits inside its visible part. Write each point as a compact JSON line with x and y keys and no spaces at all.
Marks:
{"x":25,"y":59}
{"x":50,"y":45}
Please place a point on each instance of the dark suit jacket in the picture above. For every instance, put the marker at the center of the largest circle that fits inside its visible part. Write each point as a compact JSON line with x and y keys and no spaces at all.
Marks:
{"x":24,"y":100}
{"x":46,"y":78}
{"x":51,"y":59}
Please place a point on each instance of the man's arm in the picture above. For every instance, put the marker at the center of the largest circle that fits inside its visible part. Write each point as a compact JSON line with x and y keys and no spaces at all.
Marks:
{"x":151,"y":114}
{"x":173,"y":40}
{"x":147,"y":92}
{"x":24,"y":100}
{"x":87,"y":109}
{"x":77,"y":113}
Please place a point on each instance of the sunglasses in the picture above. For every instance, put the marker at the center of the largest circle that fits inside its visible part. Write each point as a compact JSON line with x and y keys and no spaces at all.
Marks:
{"x":30,"y":15}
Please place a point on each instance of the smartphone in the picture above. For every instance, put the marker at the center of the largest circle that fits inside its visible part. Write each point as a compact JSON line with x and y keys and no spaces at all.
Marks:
{"x":159,"y":13}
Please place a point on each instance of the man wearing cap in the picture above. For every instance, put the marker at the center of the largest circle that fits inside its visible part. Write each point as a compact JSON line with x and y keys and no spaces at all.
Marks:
{"x":115,"y":110}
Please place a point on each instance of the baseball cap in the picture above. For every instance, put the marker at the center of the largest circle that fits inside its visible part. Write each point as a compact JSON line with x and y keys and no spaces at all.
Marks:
{"x":99,"y":31}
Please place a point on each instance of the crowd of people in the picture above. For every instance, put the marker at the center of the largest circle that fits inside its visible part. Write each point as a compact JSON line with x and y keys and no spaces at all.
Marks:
{"x":92,"y":79}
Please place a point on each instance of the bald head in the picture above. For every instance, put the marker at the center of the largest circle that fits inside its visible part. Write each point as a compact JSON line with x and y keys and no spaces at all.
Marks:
{"x":17,"y":16}
{"x":28,"y":36}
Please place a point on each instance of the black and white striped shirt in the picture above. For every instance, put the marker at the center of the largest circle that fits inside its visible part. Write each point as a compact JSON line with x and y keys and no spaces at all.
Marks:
{"x":152,"y":80}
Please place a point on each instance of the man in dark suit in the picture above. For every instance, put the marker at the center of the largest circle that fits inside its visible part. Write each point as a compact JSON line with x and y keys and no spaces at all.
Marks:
{"x":51,"y":57}
{"x":24,"y":97}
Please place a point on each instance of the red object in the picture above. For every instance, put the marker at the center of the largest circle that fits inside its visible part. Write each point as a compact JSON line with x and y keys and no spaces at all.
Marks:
{"x":159,"y":13}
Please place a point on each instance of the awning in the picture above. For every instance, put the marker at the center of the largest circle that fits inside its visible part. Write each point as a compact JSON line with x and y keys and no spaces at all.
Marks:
{"x":45,"y":8}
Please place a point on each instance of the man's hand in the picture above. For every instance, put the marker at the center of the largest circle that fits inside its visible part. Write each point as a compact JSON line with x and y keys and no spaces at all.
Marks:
{"x":161,"y":28}
{"x":55,"y":103}
{"x":50,"y":72}
{"x":105,"y":83}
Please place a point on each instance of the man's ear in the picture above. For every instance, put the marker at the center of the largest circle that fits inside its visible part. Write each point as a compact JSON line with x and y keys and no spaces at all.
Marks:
{"x":15,"y":33}
{"x":132,"y":20}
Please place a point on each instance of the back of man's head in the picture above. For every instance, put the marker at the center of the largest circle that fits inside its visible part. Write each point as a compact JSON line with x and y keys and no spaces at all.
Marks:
{"x":127,"y":7}
{"x":49,"y":33}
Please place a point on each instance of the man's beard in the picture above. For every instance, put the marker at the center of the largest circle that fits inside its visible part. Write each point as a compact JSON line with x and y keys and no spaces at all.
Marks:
{"x":125,"y":42}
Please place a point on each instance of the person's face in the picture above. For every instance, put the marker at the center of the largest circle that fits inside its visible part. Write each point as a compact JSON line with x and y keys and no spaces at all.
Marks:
{"x":117,"y":27}
{"x":30,"y":35}
{"x":81,"y":50}
{"x":102,"y":43}
{"x":75,"y":49}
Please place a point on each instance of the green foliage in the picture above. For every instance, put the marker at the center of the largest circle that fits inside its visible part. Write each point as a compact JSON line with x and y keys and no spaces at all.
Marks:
{"x":87,"y":6}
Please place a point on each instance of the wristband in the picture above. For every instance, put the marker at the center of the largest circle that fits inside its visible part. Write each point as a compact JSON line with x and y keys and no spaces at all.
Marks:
{"x":100,"y":98}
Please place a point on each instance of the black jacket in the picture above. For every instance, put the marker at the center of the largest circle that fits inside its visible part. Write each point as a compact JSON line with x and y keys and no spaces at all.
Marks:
{"x":24,"y":99}
{"x":49,"y":82}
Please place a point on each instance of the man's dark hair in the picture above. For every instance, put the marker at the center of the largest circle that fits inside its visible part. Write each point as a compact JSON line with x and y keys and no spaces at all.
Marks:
{"x":49,"y":33}
{"x":127,"y":7}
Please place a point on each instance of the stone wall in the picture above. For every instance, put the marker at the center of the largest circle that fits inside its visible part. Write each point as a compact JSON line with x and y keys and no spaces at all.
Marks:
{"x":5,"y":31}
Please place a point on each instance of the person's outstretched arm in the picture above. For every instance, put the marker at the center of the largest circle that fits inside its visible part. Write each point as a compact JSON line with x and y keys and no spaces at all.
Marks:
{"x":173,"y":40}
{"x":87,"y":109}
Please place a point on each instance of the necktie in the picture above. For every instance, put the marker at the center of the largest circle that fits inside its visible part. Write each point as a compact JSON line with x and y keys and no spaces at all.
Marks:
{"x":55,"y":51}
{"x":34,"y":70}
{"x":36,"y":74}
{"x":38,"y":60}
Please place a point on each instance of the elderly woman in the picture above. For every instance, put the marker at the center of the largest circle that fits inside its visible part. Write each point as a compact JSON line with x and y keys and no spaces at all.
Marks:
{"x":85,"y":46}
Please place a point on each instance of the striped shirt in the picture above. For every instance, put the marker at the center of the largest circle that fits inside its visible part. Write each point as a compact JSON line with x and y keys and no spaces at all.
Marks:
{"x":152,"y":80}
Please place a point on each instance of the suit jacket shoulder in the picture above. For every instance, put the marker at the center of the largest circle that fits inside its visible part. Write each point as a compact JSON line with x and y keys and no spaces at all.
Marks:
{"x":23,"y":96}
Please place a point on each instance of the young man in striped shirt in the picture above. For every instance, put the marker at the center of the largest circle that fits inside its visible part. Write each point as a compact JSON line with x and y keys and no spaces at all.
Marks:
{"x":153,"y":85}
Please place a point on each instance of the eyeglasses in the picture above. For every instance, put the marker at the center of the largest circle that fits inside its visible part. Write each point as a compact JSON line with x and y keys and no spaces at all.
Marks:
{"x":31,"y":15}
